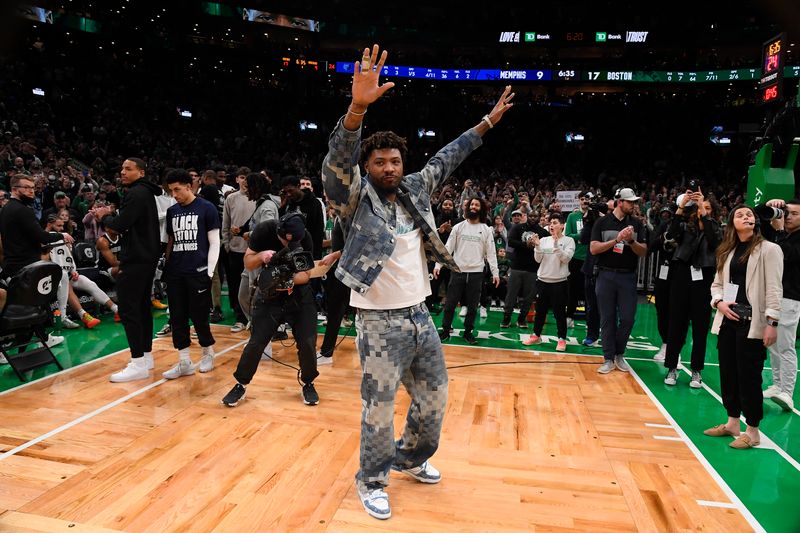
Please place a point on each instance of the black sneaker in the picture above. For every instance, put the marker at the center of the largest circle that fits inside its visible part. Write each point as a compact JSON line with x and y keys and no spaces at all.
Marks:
{"x":216,"y":315}
{"x":505,"y":324}
{"x":470,"y":338}
{"x":235,"y":395}
{"x":280,"y":336}
{"x":444,"y":336}
{"x":309,"y":393}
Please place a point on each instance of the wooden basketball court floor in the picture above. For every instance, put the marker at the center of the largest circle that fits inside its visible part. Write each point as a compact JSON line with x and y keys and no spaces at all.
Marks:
{"x":531,"y":442}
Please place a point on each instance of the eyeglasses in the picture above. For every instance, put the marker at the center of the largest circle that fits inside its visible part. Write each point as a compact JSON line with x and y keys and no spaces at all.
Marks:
{"x":24,"y":187}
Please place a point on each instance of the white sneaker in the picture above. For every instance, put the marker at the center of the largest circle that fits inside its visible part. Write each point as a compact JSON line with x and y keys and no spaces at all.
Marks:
{"x":375,"y":502}
{"x":484,"y":312}
{"x":236,"y":328}
{"x":68,"y":323}
{"x":463,"y":311}
{"x":54,"y":340}
{"x":570,"y":322}
{"x":3,"y":360}
{"x":662,"y":354}
{"x":323,"y":360}
{"x":133,"y":372}
{"x":183,"y":368}
{"x":207,"y":361}
{"x":148,"y":359}
{"x":671,"y":378}
{"x":697,"y":380}
{"x":347,"y":322}
{"x":771,"y":391}
{"x":321,"y":317}
{"x":784,"y":400}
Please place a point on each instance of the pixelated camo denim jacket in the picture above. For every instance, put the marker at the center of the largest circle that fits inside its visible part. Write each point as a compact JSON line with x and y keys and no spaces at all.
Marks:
{"x":367,"y":221}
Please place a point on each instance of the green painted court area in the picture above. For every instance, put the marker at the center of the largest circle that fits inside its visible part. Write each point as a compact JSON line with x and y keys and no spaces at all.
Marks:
{"x":765,"y":480}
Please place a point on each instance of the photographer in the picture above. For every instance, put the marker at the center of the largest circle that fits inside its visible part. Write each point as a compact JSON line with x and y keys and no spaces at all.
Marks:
{"x":293,"y":301}
{"x":690,"y":275}
{"x":783,"y":354}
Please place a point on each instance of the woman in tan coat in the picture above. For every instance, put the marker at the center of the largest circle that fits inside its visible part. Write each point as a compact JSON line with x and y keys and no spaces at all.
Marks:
{"x":746,"y":293}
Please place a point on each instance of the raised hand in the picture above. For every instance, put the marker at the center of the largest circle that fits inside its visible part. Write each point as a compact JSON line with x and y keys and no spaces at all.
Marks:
{"x":502,"y":105}
{"x":366,"y":72}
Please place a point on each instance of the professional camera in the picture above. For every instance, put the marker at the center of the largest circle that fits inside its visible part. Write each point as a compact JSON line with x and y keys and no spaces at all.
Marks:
{"x":595,"y":209}
{"x":765,"y":212}
{"x":278,"y":274}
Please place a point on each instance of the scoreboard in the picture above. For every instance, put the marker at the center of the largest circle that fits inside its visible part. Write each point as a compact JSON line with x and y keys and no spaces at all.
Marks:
{"x":597,"y":76}
{"x":772,"y":71}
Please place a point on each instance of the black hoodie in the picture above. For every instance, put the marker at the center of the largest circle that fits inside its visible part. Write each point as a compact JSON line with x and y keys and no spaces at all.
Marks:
{"x":137,"y":224}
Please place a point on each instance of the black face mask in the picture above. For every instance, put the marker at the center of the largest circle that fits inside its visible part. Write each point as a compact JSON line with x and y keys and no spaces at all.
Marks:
{"x":25,"y":200}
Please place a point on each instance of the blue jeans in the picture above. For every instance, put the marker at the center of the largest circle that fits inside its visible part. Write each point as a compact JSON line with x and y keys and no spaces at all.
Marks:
{"x":398,"y":346}
{"x":616,"y":298}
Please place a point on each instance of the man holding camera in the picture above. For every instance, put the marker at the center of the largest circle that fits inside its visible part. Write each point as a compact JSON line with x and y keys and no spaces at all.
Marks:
{"x":283,"y":295}
{"x":783,"y":354}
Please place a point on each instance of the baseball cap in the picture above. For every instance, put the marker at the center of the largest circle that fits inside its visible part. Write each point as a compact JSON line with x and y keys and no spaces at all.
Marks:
{"x":586,"y":194}
{"x":60,"y":194}
{"x":627,"y":194}
{"x":516,"y":212}
{"x":87,"y":188}
{"x":295,"y":227}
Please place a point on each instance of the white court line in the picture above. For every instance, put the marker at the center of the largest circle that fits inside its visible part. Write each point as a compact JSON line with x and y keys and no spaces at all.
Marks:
{"x":662,"y":426}
{"x":724,"y":505}
{"x":70,"y":369}
{"x":665,"y":437}
{"x":97,"y":411}
{"x":766,"y":442}
{"x":703,"y":461}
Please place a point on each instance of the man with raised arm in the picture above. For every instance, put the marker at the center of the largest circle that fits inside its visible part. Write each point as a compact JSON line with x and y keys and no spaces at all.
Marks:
{"x":388,"y":225}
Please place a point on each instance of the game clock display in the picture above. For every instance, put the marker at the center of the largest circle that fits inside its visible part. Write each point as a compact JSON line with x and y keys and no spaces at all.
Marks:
{"x":771,"y":82}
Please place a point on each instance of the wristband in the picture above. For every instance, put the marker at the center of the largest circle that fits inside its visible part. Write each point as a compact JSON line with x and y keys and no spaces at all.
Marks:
{"x":354,"y":113}
{"x":488,"y":121}
{"x":773,"y":323}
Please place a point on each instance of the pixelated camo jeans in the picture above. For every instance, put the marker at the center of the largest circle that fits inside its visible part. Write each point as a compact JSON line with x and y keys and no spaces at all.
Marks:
{"x":399,"y":346}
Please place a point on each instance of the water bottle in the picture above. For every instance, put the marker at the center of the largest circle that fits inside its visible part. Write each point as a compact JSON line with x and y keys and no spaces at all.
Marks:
{"x":57,"y":319}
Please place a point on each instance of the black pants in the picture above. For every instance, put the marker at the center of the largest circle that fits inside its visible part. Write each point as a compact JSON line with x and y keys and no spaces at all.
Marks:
{"x":300,"y":311}
{"x":519,"y":280}
{"x":688,"y":300}
{"x":552,"y":295}
{"x":661,"y":292}
{"x":189,"y":298}
{"x":134,"y":285}
{"x":464,"y":288}
{"x":234,"y":267}
{"x":576,"y":286}
{"x":592,"y":311}
{"x":741,"y":361}
{"x":337,"y":297}
{"x":436,"y":285}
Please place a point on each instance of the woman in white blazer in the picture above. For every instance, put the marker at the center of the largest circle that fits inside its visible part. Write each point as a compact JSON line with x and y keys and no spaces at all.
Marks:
{"x":746,"y":293}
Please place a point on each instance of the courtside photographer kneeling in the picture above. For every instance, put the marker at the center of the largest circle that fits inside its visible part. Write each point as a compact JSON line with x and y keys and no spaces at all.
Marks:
{"x":283,"y":247}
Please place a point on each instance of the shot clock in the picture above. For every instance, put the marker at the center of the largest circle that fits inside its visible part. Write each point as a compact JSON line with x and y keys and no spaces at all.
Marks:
{"x":771,"y":82}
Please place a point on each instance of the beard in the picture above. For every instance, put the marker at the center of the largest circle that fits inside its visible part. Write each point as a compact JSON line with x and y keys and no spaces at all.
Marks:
{"x":472,"y":215}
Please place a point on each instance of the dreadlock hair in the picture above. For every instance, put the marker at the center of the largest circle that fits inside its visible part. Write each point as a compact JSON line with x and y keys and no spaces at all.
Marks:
{"x":381,"y":140}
